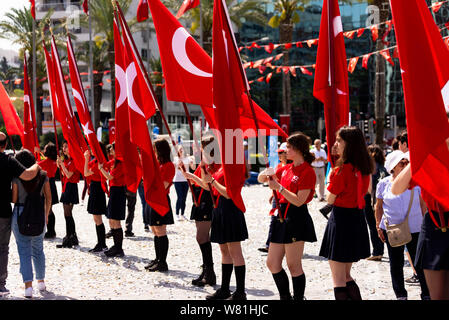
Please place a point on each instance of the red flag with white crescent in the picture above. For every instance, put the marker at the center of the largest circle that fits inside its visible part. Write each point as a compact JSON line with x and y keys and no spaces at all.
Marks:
{"x":425,"y":76}
{"x":70,"y":128}
{"x":125,"y":150}
{"x":141,"y":106}
{"x":186,"y":6}
{"x":81,"y":105}
{"x":30,"y":140}
{"x":331,"y":74}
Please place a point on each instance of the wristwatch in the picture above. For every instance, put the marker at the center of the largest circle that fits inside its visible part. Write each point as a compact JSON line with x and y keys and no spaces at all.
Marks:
{"x":281,"y":188}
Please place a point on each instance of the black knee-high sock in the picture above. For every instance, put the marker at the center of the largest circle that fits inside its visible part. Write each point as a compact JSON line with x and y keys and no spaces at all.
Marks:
{"x":341,"y":293}
{"x":353,"y":290}
{"x":51,"y":222}
{"x":163,"y":248}
{"x":101,"y":235}
{"x":240,"y":272}
{"x":156,"y":247}
{"x":71,"y":225}
{"x":226,"y":273}
{"x":206,"y":252}
{"x":299,"y":286}
{"x":282,"y":283}
{"x":117,"y":234}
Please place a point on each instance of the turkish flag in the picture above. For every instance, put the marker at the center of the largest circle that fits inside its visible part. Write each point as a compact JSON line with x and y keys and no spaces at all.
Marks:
{"x":30,"y":139}
{"x":141,"y":106}
{"x":142,"y":10}
{"x":10,"y":117}
{"x":425,"y":79}
{"x":86,"y":6}
{"x":186,"y":6}
{"x":228,"y":85}
{"x":81,"y":105}
{"x":188,"y":70}
{"x":51,"y":84}
{"x":33,"y":9}
{"x":70,"y":128}
{"x":331,"y":75}
{"x":125,"y":150}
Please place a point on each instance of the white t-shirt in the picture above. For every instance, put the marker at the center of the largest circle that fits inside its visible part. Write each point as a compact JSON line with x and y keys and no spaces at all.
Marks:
{"x":179,"y":177}
{"x":318,"y":154}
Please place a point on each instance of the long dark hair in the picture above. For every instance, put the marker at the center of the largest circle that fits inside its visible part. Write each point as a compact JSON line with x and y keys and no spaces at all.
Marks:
{"x":26,"y":158}
{"x":163,"y":152}
{"x":377,"y":153}
{"x":355,"y":152}
{"x":108,"y":148}
{"x":50,"y":151}
{"x":300,"y":142}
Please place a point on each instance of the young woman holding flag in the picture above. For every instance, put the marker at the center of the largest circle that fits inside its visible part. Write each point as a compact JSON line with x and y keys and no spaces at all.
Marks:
{"x":202,"y":214}
{"x":346,"y":239}
{"x":293,"y":226}
{"x":158,"y":223}
{"x":96,"y":204}
{"x":116,"y":210}
{"x":69,"y":196}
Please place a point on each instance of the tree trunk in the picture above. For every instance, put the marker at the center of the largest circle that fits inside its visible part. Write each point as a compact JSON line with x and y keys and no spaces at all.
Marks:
{"x":379,"y":84}
{"x":39,"y":93}
{"x":98,"y":97}
{"x":158,"y":117}
{"x":285,"y":36}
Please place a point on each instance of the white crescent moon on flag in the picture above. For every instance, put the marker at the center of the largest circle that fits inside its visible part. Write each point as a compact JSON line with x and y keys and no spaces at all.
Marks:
{"x":26,"y":98}
{"x":131,"y":74}
{"x":77,"y":95}
{"x":179,"y":41}
{"x":338,"y":27}
{"x":120,"y":76}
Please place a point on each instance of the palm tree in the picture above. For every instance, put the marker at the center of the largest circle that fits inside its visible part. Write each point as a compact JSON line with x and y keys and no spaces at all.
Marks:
{"x":249,"y":10}
{"x":102,"y":13}
{"x":18,"y":27}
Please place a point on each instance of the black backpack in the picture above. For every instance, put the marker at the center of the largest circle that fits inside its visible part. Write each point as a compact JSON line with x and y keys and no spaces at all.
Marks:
{"x":32,"y":220}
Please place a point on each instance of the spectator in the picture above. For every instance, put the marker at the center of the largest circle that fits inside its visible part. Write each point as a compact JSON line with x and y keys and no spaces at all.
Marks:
{"x":319,"y":165}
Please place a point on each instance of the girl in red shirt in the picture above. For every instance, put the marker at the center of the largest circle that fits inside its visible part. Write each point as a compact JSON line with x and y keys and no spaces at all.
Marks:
{"x":96,"y":204}
{"x":432,"y":253}
{"x":202,"y":214}
{"x":293,"y":226}
{"x":69,"y":196}
{"x":346,"y":237}
{"x":159,"y":223}
{"x":116,"y":210}
{"x":49,"y":165}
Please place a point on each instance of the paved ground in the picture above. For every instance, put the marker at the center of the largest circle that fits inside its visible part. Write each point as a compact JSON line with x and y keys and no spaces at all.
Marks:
{"x":74,"y":274}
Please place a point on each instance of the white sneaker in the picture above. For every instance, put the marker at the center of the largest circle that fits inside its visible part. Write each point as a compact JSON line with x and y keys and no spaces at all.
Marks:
{"x":41,"y":286}
{"x":29,"y":292}
{"x":184,"y":217}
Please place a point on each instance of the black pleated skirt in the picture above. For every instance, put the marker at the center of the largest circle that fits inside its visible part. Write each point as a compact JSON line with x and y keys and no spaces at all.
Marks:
{"x":54,"y":191}
{"x":117,"y":203}
{"x":297,"y":226}
{"x":96,"y":204}
{"x":156,"y":219}
{"x":70,"y":194}
{"x":228,"y":223}
{"x":432,"y":252}
{"x":202,"y":212}
{"x":346,"y":236}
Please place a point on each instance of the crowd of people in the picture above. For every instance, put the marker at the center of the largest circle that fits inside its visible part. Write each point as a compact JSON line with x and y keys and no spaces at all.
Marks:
{"x":368,"y":190}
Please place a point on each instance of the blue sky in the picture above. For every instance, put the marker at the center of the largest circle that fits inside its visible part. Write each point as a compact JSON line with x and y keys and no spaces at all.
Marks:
{"x":5,"y":6}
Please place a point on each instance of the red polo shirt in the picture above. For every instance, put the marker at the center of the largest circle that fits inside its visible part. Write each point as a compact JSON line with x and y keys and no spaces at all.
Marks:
{"x":297,"y":178}
{"x":49,"y":166}
{"x":93,"y":166}
{"x":167,"y":174}
{"x":117,"y":171}
{"x":70,"y":166}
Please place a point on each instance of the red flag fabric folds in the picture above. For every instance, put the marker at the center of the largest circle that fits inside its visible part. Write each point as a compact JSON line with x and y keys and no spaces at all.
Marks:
{"x":33,"y":9}
{"x":186,"y":6}
{"x":425,"y":79}
{"x":86,"y":6}
{"x":142,"y":10}
{"x":141,"y":106}
{"x":10,"y":117}
{"x":331,"y":76}
{"x":30,"y":140}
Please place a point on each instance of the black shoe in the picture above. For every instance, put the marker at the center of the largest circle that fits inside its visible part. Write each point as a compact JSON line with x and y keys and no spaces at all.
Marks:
{"x":264,"y":249}
{"x":326,"y":210}
{"x":74,"y":239}
{"x":98,"y":248}
{"x":207,"y":277}
{"x":152,"y":263}
{"x":129,"y":233}
{"x":160,"y":266}
{"x":285,"y":297}
{"x":114,"y":252}
{"x":146,"y":228}
{"x":50,"y":235}
{"x":197,"y":281}
{"x":219,"y":295}
{"x":108,"y":235}
{"x":237,"y":296}
{"x":66,"y":243}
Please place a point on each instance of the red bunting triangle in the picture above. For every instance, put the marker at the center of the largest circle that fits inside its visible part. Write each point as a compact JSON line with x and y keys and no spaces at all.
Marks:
{"x":353,"y":64}
{"x":386,"y":54}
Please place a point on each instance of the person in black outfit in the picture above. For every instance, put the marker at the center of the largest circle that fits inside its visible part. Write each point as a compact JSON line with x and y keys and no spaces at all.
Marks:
{"x":9,"y":168}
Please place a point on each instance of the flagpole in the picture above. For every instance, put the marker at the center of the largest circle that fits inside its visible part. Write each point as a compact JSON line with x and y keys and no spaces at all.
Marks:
{"x":34,"y":69}
{"x":201,"y":24}
{"x":150,"y":86}
{"x":91,"y":74}
{"x":331,"y":72}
